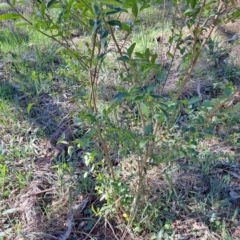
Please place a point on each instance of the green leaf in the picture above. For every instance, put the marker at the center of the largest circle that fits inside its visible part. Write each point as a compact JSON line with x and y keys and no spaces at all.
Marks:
{"x":134,"y":8}
{"x":8,"y":16}
{"x":148,"y":129}
{"x":29,"y":107}
{"x":13,"y":2}
{"x":105,"y":34}
{"x":104,"y":38}
{"x":103,"y":45}
{"x":77,"y":120}
{"x":42,"y":9}
{"x":227,"y":91}
{"x":96,"y":10}
{"x":114,"y":23}
{"x":130,"y":49}
{"x":143,"y":142}
{"x":209,"y":130}
{"x":161,"y":76}
{"x":102,"y":55}
{"x":120,"y":89}
{"x":151,"y":87}
{"x":153,"y":59}
{"x":187,"y":12}
{"x":170,"y":54}
{"x":193,"y":100}
{"x":110,"y":2}
{"x":138,"y":98}
{"x":120,"y":96}
{"x":97,"y":24}
{"x":144,"y":109}
{"x":50,"y":3}
{"x":187,"y":139}
{"x":193,"y":3}
{"x":88,"y":227}
{"x":69,"y":5}
{"x":125,"y":27}
{"x":182,"y":154}
{"x":192,"y":129}
{"x":165,"y":113}
{"x":147,"y":54}
{"x":90,"y":118}
{"x":56,"y":5}
{"x":156,"y":96}
{"x":145,"y":5}
{"x":123,"y":59}
{"x":4,"y":6}
{"x":20,"y":24}
{"x":109,"y":12}
{"x":182,"y":50}
{"x":163,"y":105}
{"x":139,"y":55}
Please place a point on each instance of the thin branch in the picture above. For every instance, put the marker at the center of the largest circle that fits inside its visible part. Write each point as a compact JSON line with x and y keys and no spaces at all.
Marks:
{"x":115,"y":41}
{"x":93,"y":227}
{"x":174,"y":54}
{"x":42,"y":236}
{"x":78,"y":208}
{"x":112,"y":229}
{"x":106,"y":151}
{"x":222,"y":103}
{"x":92,"y":78}
{"x":168,"y":72}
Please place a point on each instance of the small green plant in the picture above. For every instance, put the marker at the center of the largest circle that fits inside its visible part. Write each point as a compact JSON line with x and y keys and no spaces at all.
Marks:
{"x":23,"y":178}
{"x":3,"y":179}
{"x":139,"y":124}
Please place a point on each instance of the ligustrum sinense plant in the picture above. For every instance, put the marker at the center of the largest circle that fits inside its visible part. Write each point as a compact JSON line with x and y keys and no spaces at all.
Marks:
{"x":141,"y":121}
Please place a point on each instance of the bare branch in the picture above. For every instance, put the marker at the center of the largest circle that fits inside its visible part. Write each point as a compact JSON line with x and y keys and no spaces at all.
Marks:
{"x":78,"y":208}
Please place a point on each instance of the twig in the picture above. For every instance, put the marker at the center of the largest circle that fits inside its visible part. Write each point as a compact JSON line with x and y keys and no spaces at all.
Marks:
{"x":43,"y":235}
{"x":93,"y":228}
{"x":50,"y":236}
{"x":233,"y":38}
{"x":171,"y":63}
{"x":112,"y":229}
{"x":222,"y":103}
{"x":79,"y":232}
{"x":79,"y":207}
{"x":116,"y":43}
{"x":198,"y":88}
{"x":168,"y":71}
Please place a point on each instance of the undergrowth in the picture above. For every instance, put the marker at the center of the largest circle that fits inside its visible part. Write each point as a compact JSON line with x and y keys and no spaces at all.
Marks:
{"x":58,"y":132}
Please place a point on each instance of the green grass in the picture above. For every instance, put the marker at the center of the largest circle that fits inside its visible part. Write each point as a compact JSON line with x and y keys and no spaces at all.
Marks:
{"x":16,"y":154}
{"x":28,"y":57}
{"x":30,"y":63}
